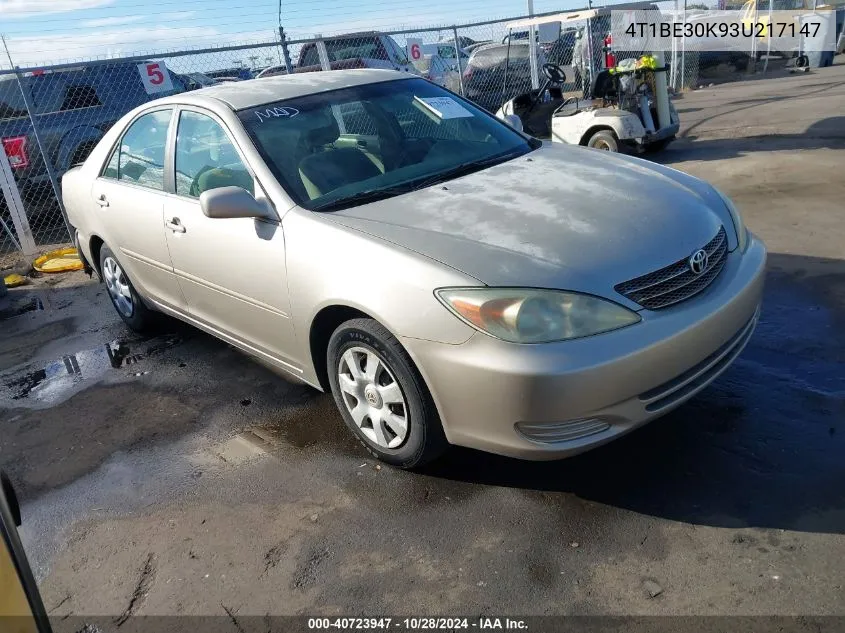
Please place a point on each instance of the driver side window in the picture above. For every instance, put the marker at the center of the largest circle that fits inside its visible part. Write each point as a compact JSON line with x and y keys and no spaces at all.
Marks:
{"x":206,"y":158}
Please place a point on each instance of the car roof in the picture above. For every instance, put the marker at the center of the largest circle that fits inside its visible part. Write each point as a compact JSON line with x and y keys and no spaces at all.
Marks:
{"x":255,"y":92}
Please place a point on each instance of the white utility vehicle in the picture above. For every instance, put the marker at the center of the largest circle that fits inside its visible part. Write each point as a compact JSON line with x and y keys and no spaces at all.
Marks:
{"x":626,"y":108}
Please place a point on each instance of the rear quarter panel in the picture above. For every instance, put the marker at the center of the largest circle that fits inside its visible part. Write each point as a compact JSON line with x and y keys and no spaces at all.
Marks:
{"x":76,"y":189}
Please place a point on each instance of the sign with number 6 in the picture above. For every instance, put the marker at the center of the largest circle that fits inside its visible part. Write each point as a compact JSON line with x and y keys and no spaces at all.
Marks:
{"x":155,"y":77}
{"x":414,"y":49}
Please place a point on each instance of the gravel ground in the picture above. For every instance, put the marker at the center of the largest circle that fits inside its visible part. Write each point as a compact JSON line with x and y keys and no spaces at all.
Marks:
{"x":189,"y":480}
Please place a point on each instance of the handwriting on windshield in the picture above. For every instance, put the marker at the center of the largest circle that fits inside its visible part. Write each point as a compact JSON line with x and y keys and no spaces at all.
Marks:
{"x":279,"y":112}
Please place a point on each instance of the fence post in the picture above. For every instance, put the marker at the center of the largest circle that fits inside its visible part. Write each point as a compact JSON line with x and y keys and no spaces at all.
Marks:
{"x":458,"y":58}
{"x":323,"y":52}
{"x":769,"y":40}
{"x":673,"y":63}
{"x":684,"y":47}
{"x":25,"y":241}
{"x":285,"y":51}
{"x":30,"y":108}
{"x":532,"y":49}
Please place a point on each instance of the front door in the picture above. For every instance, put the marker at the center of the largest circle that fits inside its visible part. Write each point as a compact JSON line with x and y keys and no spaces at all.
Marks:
{"x":231,"y":271}
{"x":129,"y":198}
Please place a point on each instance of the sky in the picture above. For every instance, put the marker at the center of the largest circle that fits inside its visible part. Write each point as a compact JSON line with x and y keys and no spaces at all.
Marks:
{"x":39,"y":32}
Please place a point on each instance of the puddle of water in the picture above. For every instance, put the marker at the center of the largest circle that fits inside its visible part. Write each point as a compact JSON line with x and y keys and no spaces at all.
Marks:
{"x":58,"y":379}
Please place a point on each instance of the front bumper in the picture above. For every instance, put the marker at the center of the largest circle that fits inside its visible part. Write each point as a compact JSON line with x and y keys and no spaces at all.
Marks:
{"x":558,"y":399}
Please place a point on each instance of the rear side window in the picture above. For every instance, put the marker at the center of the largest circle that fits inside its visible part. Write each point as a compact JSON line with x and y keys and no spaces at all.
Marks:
{"x":11,"y":100}
{"x":80,"y":97}
{"x":488,"y":58}
{"x":398,"y":51}
{"x":311,"y":57}
{"x":353,"y":48}
{"x":139,"y":158}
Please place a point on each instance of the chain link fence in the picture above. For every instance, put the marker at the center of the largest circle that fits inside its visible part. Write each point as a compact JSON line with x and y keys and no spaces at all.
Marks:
{"x":52,"y":116}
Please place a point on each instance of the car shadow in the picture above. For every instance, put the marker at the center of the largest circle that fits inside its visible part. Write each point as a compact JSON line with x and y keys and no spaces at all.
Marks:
{"x":763,"y":446}
{"x":827,"y":133}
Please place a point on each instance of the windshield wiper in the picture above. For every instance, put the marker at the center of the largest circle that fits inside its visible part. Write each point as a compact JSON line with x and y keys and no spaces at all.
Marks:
{"x":464,"y":169}
{"x":371,"y":195}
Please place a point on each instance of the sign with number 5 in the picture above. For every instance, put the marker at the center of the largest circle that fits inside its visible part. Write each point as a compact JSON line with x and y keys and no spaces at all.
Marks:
{"x":155,"y":77}
{"x":414,"y":49}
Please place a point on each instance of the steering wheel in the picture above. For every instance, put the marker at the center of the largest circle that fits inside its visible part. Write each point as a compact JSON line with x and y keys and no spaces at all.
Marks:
{"x":554,"y":73}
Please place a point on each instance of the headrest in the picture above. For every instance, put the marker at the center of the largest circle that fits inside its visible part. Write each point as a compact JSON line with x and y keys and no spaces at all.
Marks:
{"x":320,"y":128}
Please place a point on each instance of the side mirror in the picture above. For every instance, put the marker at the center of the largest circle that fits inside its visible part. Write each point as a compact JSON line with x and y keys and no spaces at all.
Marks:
{"x":231,"y":202}
{"x":20,"y":601}
{"x":514,"y":121}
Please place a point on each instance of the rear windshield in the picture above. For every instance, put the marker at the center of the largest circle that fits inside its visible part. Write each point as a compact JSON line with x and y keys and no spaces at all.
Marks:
{"x":351,"y":48}
{"x":494,"y":56}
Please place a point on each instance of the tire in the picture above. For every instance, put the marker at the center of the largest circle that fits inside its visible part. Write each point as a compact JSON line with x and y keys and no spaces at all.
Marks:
{"x":658,"y":146}
{"x":604,"y":140}
{"x":395,"y":389}
{"x":122,"y":293}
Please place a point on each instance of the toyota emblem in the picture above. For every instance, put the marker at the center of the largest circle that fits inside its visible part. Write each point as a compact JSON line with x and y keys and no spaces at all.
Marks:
{"x":698,"y":261}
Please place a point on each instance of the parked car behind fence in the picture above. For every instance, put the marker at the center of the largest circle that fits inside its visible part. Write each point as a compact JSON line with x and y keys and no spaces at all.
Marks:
{"x":357,"y":50}
{"x":498,"y":72}
{"x":73,"y":108}
{"x":441,"y":71}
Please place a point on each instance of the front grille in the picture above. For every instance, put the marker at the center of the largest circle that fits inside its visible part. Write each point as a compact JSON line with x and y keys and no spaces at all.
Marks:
{"x":676,"y":282}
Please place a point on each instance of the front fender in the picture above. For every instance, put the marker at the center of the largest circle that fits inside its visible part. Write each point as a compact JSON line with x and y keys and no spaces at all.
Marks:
{"x":329,"y":264}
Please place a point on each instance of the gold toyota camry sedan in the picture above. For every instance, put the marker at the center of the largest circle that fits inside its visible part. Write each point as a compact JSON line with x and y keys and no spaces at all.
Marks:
{"x":450,"y":279}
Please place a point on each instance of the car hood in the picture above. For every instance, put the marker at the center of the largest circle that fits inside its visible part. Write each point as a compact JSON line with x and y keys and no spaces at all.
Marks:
{"x":559,"y":217}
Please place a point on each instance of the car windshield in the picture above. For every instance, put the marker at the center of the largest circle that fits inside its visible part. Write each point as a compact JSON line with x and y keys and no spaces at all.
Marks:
{"x":346,"y":147}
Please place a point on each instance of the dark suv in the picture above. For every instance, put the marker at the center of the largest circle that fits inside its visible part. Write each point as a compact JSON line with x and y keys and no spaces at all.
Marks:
{"x":73,"y":108}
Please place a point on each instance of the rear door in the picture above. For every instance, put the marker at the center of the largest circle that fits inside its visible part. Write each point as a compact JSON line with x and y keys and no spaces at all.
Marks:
{"x":129,"y":201}
{"x":231,"y":271}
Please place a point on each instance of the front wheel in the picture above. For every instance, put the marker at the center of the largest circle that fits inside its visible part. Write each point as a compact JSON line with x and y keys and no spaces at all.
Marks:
{"x":381,"y":395}
{"x":122,"y":293}
{"x":604,"y":140}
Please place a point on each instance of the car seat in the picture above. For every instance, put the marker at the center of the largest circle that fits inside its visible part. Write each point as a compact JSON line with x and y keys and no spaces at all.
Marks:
{"x":604,"y":86}
{"x":326,"y":168}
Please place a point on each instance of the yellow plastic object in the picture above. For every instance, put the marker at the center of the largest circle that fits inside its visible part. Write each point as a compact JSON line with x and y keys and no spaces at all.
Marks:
{"x":59,"y":261}
{"x":15,"y":280}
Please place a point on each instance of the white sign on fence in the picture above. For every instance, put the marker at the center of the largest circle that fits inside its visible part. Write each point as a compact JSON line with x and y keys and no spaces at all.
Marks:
{"x":414,"y":49}
{"x":155,"y":76}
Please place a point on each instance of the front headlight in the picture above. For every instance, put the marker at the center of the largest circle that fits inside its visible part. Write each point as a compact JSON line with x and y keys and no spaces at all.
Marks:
{"x":739,"y":225}
{"x":525,"y":315}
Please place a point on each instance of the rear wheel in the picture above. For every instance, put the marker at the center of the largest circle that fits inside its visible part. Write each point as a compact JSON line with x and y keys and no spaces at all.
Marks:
{"x":122,"y":293}
{"x":381,"y":395}
{"x":604,"y":140}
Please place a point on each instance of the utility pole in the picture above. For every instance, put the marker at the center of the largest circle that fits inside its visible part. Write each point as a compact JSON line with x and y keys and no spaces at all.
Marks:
{"x":283,"y":42}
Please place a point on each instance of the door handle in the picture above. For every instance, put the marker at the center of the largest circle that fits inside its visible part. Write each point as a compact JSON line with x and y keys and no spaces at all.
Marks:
{"x":175,"y":225}
{"x":102,"y":200}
